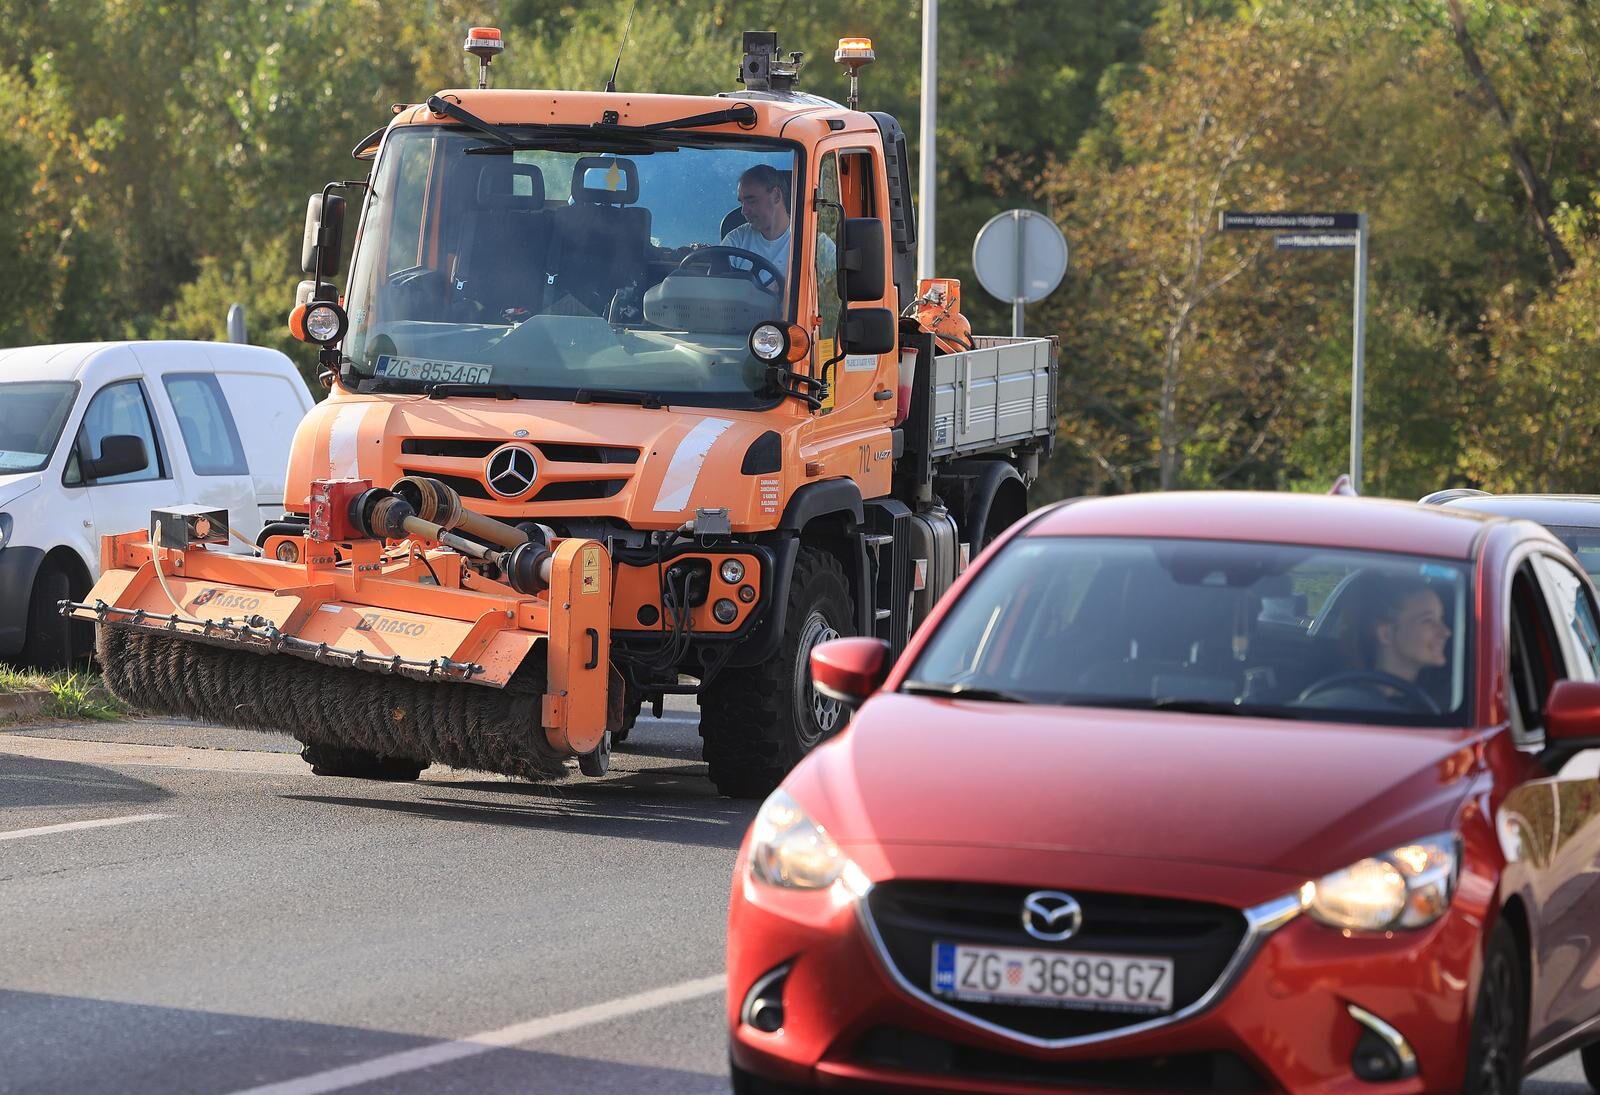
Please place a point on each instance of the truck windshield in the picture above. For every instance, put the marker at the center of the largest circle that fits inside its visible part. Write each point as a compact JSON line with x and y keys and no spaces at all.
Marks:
{"x":549,"y":271}
{"x":31,"y":416}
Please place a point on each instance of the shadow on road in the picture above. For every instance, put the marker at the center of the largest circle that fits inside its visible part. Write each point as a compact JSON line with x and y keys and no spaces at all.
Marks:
{"x":25,"y":781}
{"x":69,"y":1043}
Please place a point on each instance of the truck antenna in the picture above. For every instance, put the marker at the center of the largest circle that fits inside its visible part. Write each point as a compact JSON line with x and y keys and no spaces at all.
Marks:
{"x":611,"y":84}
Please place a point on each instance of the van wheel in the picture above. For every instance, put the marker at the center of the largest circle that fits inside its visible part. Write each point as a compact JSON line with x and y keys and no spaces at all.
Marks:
{"x":757,"y":723}
{"x":336,"y":760}
{"x":1499,"y":1019}
{"x":52,"y":641}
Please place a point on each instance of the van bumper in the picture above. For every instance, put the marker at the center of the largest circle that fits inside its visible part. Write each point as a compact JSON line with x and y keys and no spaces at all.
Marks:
{"x":18,"y":565}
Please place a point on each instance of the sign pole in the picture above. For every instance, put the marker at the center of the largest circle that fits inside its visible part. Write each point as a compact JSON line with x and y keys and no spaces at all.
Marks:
{"x":1358,"y":362}
{"x":928,"y":166}
{"x":1022,"y":265}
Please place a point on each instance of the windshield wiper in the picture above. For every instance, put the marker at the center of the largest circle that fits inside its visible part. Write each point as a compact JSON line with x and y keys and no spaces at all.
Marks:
{"x":618,"y":395}
{"x":446,"y":389}
{"x":471,"y":120}
{"x":1175,"y":703}
{"x":961,"y":692}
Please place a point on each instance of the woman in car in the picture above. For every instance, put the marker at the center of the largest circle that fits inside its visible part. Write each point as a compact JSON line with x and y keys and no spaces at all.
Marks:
{"x":1393,"y":628}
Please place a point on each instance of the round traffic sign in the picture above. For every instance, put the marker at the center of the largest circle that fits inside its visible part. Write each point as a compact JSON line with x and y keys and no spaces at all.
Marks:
{"x":1020,"y":256}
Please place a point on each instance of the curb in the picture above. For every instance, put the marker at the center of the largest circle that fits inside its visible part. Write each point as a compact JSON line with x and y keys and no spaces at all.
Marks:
{"x":23,"y":704}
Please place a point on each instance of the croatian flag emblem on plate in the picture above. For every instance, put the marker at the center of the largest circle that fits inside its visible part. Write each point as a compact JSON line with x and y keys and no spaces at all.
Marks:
{"x":1014,"y":972}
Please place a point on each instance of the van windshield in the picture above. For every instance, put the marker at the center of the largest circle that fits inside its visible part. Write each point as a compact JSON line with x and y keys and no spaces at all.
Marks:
{"x":554,"y":270}
{"x":32,"y":413}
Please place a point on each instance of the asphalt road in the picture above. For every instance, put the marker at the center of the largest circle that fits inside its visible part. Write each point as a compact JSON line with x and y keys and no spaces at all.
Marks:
{"x":244,"y":926}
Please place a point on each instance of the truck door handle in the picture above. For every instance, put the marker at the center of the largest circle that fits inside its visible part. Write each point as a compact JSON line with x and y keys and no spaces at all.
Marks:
{"x":594,"y":647}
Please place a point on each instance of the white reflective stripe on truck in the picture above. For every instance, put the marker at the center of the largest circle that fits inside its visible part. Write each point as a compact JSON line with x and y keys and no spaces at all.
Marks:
{"x":677,"y":485}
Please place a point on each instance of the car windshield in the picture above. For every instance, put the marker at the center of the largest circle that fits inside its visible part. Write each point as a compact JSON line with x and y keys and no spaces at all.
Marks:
{"x":1235,"y":628}
{"x":1585,"y":544}
{"x":32,"y":414}
{"x":556,"y":270}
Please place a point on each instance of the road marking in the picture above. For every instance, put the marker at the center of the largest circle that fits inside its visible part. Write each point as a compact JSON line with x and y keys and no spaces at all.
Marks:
{"x":70,"y":826}
{"x":411,"y":1060}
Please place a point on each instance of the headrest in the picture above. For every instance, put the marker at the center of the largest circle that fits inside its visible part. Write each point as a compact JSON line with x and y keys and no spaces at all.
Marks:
{"x":605,"y":180}
{"x":505,"y":184}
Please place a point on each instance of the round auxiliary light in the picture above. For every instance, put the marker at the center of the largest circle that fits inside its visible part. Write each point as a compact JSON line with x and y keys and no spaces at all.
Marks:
{"x":747,"y":593}
{"x":288,"y":552}
{"x":732,"y":571}
{"x":725,"y":611}
{"x":325,"y":322}
{"x":769,"y":341}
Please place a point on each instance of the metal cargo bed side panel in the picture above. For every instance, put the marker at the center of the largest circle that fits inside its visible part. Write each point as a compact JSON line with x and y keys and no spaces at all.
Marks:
{"x":995,"y":396}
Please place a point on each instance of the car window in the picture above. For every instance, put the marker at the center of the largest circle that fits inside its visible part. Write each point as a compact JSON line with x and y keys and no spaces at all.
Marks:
{"x":1535,"y":661}
{"x":208,"y":430}
{"x":1572,"y":610}
{"x":32,"y":415}
{"x":1585,"y":544}
{"x":1279,"y":631}
{"x":120,"y":408}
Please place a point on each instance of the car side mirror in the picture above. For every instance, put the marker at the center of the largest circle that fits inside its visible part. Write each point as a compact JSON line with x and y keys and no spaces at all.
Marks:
{"x":849,"y":670}
{"x":324,"y":229}
{"x":120,"y":453}
{"x":861,"y":260}
{"x":869,"y":331}
{"x":1572,"y":715}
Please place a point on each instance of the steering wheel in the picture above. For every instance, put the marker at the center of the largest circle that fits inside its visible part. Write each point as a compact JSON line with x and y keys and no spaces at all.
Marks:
{"x":718,"y":264}
{"x":1375,"y":680}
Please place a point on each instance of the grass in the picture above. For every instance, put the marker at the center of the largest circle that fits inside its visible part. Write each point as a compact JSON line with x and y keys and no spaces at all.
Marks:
{"x":74,"y":694}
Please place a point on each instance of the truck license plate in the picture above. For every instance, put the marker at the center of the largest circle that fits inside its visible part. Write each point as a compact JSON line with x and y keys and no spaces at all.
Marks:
{"x":430,"y":371}
{"x":1055,"y":979}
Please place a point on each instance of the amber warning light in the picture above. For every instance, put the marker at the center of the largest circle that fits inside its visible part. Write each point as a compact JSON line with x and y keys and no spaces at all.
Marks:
{"x":854,"y":54}
{"x":485,"y":44}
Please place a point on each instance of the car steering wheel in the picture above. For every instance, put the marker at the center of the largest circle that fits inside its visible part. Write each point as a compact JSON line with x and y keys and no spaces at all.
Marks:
{"x":718,"y":264}
{"x":1373,"y":679}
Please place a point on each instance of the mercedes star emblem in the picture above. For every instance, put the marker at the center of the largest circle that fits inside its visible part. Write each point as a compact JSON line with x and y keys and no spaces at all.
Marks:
{"x":1051,"y":915}
{"x":511,"y":470}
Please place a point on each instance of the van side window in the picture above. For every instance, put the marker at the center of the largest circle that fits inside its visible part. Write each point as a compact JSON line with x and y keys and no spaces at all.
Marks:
{"x":116,"y":409}
{"x":207,"y":426}
{"x":1535,"y":655}
{"x":1574,"y":616}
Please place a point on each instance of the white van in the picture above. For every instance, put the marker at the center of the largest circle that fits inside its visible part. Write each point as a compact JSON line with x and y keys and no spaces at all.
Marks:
{"x":93,"y":436}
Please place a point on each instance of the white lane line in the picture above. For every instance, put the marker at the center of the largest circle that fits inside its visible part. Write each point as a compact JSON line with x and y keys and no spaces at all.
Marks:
{"x":72,"y":826}
{"x":411,"y":1060}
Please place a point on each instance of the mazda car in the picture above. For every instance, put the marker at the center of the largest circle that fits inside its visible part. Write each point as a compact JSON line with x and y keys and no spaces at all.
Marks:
{"x":1194,"y":793}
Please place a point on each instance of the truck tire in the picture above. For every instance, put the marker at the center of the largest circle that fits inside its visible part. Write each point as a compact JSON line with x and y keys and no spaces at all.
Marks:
{"x":52,"y":641}
{"x":336,"y":760}
{"x":757,"y":723}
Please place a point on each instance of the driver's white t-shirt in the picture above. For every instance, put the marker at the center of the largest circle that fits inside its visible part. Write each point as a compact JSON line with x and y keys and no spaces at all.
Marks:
{"x":746,"y":238}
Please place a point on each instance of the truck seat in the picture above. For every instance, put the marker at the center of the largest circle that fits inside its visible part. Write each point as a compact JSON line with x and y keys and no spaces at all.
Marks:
{"x":601,"y":239}
{"x":502,"y":261}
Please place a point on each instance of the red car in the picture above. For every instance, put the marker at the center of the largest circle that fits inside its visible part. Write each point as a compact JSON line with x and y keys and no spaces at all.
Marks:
{"x":1195,"y":793}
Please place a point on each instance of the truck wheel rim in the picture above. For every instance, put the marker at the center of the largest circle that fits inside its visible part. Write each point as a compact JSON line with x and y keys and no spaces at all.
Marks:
{"x":823,"y":711}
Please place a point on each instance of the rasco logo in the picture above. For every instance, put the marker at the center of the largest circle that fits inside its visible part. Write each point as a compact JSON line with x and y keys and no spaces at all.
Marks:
{"x":388,"y":625}
{"x":218,"y":599}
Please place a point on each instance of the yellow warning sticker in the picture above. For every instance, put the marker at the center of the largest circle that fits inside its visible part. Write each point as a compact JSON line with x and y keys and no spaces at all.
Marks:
{"x":591,"y":570}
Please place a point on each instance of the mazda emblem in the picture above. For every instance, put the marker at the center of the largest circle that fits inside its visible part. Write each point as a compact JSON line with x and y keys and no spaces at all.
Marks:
{"x":1051,"y":915}
{"x":511,"y":470}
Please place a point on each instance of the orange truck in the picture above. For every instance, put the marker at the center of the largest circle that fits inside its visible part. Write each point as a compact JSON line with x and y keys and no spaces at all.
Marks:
{"x":630,"y":395}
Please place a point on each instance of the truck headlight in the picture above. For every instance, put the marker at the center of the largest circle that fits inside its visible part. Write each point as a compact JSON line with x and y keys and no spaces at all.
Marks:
{"x":1404,"y":888}
{"x":789,"y":850}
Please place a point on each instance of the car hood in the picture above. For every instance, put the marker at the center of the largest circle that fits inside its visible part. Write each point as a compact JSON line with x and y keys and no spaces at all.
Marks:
{"x":16,"y":484}
{"x":1298,"y":798}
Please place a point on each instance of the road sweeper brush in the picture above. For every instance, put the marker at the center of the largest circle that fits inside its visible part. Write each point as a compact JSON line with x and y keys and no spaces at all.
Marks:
{"x":388,"y":635}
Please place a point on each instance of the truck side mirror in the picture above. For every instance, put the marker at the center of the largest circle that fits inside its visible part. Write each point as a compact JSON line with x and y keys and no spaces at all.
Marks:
{"x":861,"y":260}
{"x":120,"y":453}
{"x":869,"y":331}
{"x":324,"y":227}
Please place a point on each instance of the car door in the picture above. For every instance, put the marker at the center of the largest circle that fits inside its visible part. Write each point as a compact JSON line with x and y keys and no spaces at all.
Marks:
{"x":1569,"y":959}
{"x":121,"y":502}
{"x":267,"y":409}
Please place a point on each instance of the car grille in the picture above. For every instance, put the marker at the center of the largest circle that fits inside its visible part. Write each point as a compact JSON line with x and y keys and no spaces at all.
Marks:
{"x":910,"y":917}
{"x":908,"y":1051}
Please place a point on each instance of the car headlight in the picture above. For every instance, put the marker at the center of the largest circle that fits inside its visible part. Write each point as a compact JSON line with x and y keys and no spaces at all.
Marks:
{"x":1405,"y":887}
{"x":789,"y":850}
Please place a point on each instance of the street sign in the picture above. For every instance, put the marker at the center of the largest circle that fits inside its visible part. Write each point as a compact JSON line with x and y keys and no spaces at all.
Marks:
{"x":1313,"y":241}
{"x":1020,"y":257}
{"x":1327,"y":222}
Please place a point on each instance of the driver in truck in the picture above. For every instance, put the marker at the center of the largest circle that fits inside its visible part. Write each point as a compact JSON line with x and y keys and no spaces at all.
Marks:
{"x":764,"y":202}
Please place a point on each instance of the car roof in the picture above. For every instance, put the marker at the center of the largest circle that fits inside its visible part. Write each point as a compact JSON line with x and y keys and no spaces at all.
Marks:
{"x":76,"y":360}
{"x":1573,"y":510}
{"x":1320,"y":520}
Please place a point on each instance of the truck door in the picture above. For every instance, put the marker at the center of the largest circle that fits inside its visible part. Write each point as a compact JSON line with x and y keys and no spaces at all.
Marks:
{"x":859,"y":406}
